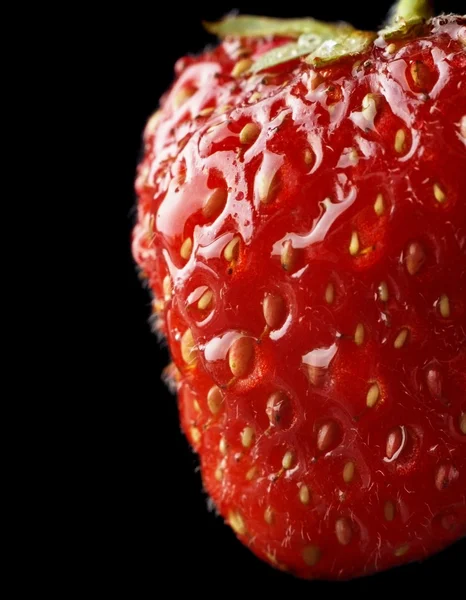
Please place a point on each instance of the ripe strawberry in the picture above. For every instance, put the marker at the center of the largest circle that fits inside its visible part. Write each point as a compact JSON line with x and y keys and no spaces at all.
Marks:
{"x":302,"y":226}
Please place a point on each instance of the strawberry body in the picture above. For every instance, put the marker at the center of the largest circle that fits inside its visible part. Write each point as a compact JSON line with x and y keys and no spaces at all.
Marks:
{"x":303,"y":232}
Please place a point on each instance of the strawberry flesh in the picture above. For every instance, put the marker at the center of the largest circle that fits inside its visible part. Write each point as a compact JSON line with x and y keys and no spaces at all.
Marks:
{"x":304,"y":236}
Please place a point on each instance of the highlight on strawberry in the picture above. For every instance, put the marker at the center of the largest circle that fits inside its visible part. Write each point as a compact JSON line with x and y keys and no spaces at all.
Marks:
{"x":302,"y":229}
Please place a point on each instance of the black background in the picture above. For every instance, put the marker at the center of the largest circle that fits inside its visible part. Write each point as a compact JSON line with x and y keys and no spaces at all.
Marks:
{"x":166,"y":532}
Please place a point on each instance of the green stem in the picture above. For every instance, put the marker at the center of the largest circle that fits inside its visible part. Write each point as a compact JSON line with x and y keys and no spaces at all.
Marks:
{"x":412,"y":9}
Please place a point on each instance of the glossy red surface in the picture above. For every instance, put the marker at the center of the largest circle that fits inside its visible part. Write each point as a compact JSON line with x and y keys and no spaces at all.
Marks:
{"x":309,"y":272}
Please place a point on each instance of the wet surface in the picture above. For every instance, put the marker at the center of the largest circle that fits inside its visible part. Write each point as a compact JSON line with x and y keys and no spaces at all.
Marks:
{"x":352,"y":177}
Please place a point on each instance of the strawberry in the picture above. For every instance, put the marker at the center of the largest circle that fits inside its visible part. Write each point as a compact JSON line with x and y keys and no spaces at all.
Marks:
{"x":302,"y":227}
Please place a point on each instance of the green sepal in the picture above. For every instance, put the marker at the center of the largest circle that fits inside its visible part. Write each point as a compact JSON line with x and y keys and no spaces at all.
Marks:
{"x":333,"y":50}
{"x":306,"y":43}
{"x":323,"y":43}
{"x":254,"y":26}
{"x":401,"y":30}
{"x":408,"y":16}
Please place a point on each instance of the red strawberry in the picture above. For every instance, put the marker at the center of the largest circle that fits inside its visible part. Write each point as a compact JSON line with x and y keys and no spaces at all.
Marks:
{"x":302,"y":226}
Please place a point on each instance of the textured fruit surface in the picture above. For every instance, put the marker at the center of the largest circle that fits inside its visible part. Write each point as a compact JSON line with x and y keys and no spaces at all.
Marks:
{"x":303,"y":232}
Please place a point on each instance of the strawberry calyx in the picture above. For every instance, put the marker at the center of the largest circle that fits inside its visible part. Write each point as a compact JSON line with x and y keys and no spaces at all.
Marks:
{"x":256,"y":26}
{"x":412,"y":9}
{"x":320,"y":43}
{"x":332,"y":50}
{"x":407,"y":17}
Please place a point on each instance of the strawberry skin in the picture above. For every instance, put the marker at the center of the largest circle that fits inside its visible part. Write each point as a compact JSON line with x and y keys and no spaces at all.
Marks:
{"x":303,"y":232}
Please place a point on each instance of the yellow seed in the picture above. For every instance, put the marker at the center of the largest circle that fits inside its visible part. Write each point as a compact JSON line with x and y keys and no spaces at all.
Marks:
{"x":274,"y":310}
{"x":150,"y":229}
{"x":241,"y":67}
{"x":277,"y":406}
{"x":420,"y":73}
{"x":439,"y":194}
{"x":152,"y":123}
{"x":231,"y":251}
{"x":167,"y":287}
{"x":354,"y":244}
{"x":327,"y":436}
{"x":391,"y":48}
{"x":206,"y":112}
{"x":254,"y":98}
{"x":463,"y":423}
{"x":368,"y":102}
{"x":196,"y":435}
{"x":389,"y":511}
{"x":215,"y":203}
{"x":330,"y":293}
{"x":353,"y":156}
{"x":414,"y":258}
{"x":240,"y":356}
{"x":379,"y":205}
{"x":223,"y":109}
{"x":359,"y":334}
{"x":288,"y":256}
{"x":214,"y":399}
{"x":181,"y":96}
{"x":223,"y":447}
{"x":205,"y":300}
{"x":249,"y":133}
{"x":268,"y":515}
{"x":304,"y":494}
{"x":188,"y":351}
{"x":267,"y":187}
{"x":247,"y":437}
{"x":237,"y":522}
{"x":400,"y":139}
{"x":316,"y":375}
{"x":383,"y":291}
{"x":394,"y":442}
{"x":252,"y":473}
{"x":444,"y":306}
{"x":402,"y":550}
{"x":219,"y":473}
{"x":288,"y":460}
{"x":311,"y":555}
{"x":373,"y":395}
{"x":463,"y":126}
{"x":348,"y":472}
{"x":158,"y":306}
{"x":343,"y":531}
{"x":401,"y":339}
{"x":367,"y":250}
{"x":186,"y":248}
{"x":308,"y":156}
{"x":196,"y":406}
